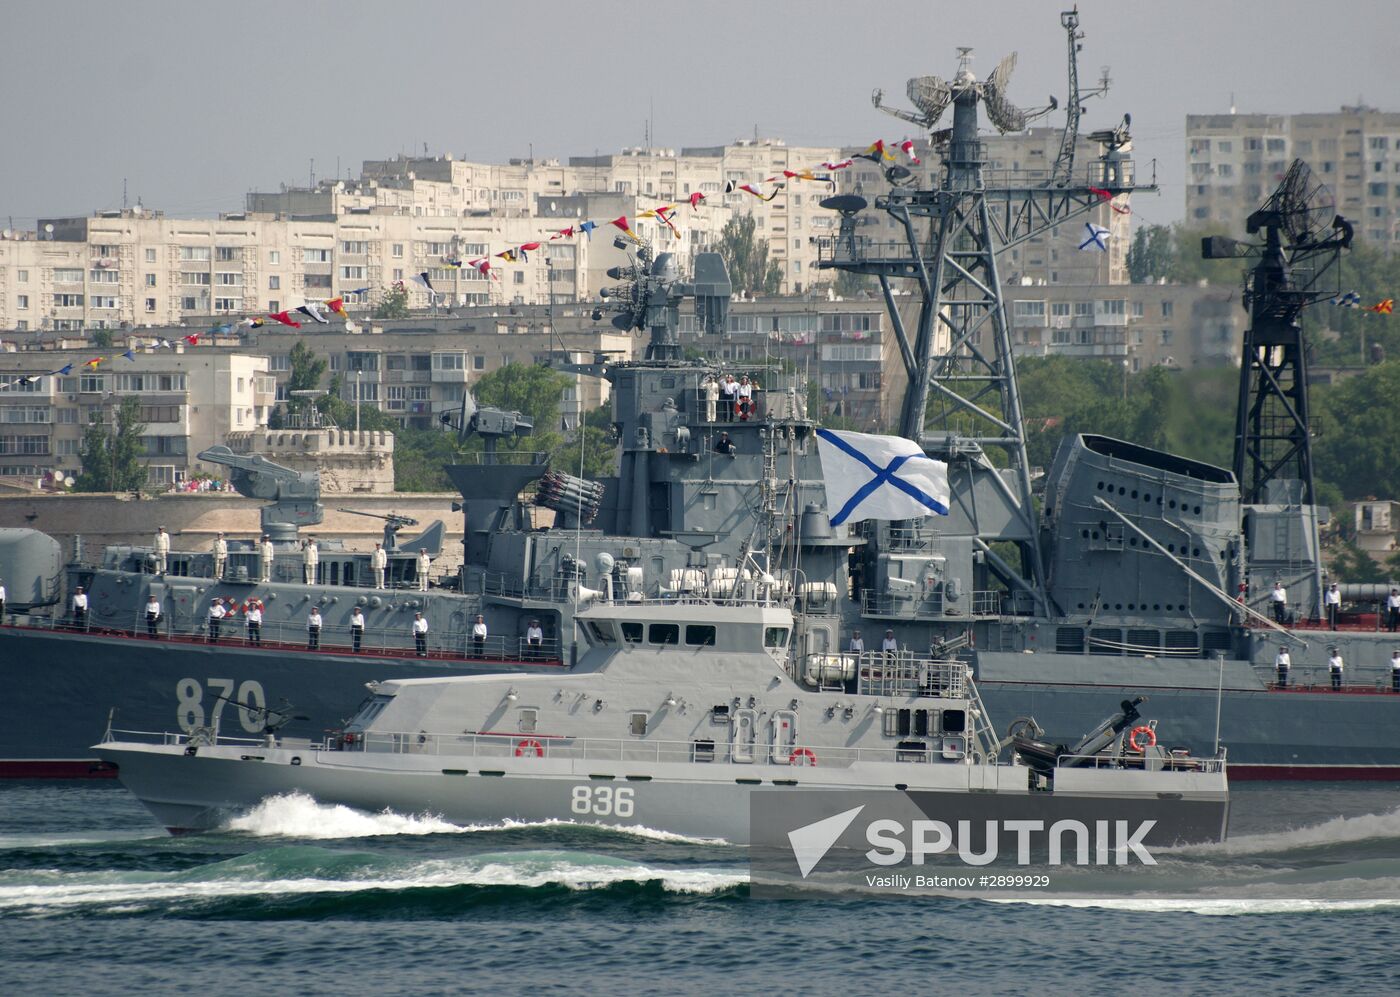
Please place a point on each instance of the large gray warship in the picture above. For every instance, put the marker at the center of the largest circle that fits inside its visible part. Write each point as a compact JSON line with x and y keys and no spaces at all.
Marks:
{"x":1118,"y":575}
{"x":675,"y":712}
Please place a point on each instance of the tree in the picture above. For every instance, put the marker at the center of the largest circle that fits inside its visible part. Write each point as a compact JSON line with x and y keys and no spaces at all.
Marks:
{"x":110,"y":456}
{"x":102,"y":339}
{"x":1357,"y":447}
{"x":849,"y":284}
{"x":394,"y":304}
{"x":306,"y":369}
{"x":597,"y":449}
{"x":750,"y":269}
{"x":1151,"y":254}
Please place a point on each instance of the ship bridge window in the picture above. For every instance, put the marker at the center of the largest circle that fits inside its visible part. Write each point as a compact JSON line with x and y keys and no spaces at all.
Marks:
{"x":632,"y":633}
{"x":602,"y":633}
{"x":698,"y":635}
{"x":664,"y":633}
{"x":775,"y":636}
{"x":371,"y":710}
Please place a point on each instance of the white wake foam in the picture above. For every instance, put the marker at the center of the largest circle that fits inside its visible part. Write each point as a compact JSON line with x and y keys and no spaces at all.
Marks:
{"x":1337,"y":831}
{"x":134,"y":892}
{"x":297,"y":815}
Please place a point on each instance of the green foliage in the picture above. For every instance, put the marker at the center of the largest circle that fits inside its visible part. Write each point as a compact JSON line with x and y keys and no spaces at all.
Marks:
{"x":341,"y":411}
{"x":394,"y":304}
{"x":597,"y":451}
{"x":1352,"y":563}
{"x":419,"y":455}
{"x":530,"y":390}
{"x":110,"y":455}
{"x":1358,"y":448}
{"x":1151,"y":254}
{"x":306,"y":370}
{"x":851,"y":285}
{"x":750,"y":269}
{"x":102,"y":339}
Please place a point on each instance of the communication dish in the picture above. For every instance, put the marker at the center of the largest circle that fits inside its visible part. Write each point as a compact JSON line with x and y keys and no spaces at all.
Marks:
{"x":847,"y":204}
{"x":1006,"y":116}
{"x":1301,"y":206}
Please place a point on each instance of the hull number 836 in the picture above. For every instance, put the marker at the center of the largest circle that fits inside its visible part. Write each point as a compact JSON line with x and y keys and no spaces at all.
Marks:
{"x":602,"y":801}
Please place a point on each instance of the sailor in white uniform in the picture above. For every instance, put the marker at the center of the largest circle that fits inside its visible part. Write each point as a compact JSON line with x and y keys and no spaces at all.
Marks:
{"x":162,"y":548}
{"x":378,"y":561}
{"x":267,"y":554}
{"x":220,"y":551}
{"x":1282,"y":663}
{"x":1332,"y":602}
{"x":424,"y":563}
{"x":1334,"y":669}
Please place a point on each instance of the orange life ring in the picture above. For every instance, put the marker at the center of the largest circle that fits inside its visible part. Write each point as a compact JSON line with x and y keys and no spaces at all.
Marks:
{"x":802,"y":753}
{"x":529,"y":744}
{"x":1151,"y":738}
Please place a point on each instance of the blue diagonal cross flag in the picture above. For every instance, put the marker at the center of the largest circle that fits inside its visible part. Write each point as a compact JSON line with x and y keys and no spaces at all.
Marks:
{"x":879,"y":477}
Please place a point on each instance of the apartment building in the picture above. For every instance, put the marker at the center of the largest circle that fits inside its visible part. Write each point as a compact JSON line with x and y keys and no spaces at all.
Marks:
{"x":190,"y":400}
{"x":1234,"y":161}
{"x":1140,"y":325}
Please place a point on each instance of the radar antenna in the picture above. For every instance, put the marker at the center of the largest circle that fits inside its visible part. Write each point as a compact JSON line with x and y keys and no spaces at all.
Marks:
{"x":1297,"y":254}
{"x":932,"y":95}
{"x":1063,"y":170}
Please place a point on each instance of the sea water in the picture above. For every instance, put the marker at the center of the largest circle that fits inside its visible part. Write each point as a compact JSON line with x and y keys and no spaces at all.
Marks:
{"x":299,"y":897}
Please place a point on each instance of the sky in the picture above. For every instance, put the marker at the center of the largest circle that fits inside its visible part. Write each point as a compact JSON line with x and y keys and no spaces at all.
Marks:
{"x":195,"y":103}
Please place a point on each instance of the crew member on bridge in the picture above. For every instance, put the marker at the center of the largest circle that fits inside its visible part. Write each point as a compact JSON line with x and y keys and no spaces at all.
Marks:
{"x":424,"y":563}
{"x":379,"y":561}
{"x":889,"y":645}
{"x":479,"y":637}
{"x":1392,"y":605}
{"x":420,"y":635}
{"x":743,"y":399}
{"x":857,"y":645}
{"x":534,"y":641}
{"x":1395,"y":671}
{"x":357,"y":629}
{"x":310,"y":561}
{"x":1332,"y":602}
{"x":253,"y":617}
{"x":220,"y":550}
{"x":1279,"y":598}
{"x":1282,"y":663}
{"x":266,"y":554}
{"x":80,"y":608}
{"x":153,"y":617}
{"x":725,"y":445}
{"x":313,"y":629}
{"x":1334,"y":668}
{"x":728,"y":391}
{"x":217,"y":612}
{"x":162,"y":549}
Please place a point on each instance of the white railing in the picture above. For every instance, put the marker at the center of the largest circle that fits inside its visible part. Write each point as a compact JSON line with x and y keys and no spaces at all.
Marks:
{"x":1171,"y":763}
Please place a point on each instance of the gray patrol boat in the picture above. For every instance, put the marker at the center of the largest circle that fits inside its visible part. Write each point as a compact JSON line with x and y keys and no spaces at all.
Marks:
{"x":1119,"y":573}
{"x":674,"y":713}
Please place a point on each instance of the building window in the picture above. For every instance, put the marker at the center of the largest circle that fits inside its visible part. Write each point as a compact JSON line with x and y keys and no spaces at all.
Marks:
{"x":66,"y":275}
{"x":355,"y":248}
{"x":273,"y":305}
{"x":194,"y":277}
{"x":188,"y":304}
{"x":519,"y":276}
{"x":197,"y":254}
{"x":1166,"y":309}
{"x":396,"y":250}
{"x":68,"y":300}
{"x":478,"y":362}
{"x":274,"y":256}
{"x":449,"y":361}
{"x":150,"y":280}
{"x":150,"y":304}
{"x":1166,"y":338}
{"x":318,"y":280}
{"x":22,"y":276}
{"x":316,"y":255}
{"x":150,"y":256}
{"x":228,"y":304}
{"x":227,"y":253}
{"x":279,"y":362}
{"x":22,"y":302}
{"x":420,"y":361}
{"x":229,"y":279}
{"x":352,"y":273}
{"x":274,"y":283}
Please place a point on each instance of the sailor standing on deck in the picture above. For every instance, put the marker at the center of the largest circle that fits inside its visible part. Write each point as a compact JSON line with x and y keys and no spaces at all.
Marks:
{"x":153,"y":617}
{"x":313,"y":629}
{"x":217,"y":612}
{"x":857,"y":645}
{"x":420,"y":635}
{"x":534,"y":640}
{"x":889,"y":645}
{"x":1279,"y":598}
{"x":357,"y":629}
{"x":728,"y":389}
{"x":220,"y":550}
{"x":310,"y":561}
{"x":1332,"y":602}
{"x":266,"y":554}
{"x":253,"y":617}
{"x":711,"y":398}
{"x":1282,"y":663}
{"x":1334,"y":668}
{"x":479,"y":637}
{"x":162,"y":549}
{"x":378,"y":561}
{"x":1395,"y":671}
{"x":424,"y":563}
{"x":80,"y":608}
{"x":1392,"y":605}
{"x":2,"y":603}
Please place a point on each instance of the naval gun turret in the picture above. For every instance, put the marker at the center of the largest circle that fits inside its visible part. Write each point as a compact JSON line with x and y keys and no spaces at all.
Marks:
{"x":491,"y":424}
{"x":294,"y":495}
{"x":393,"y":522}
